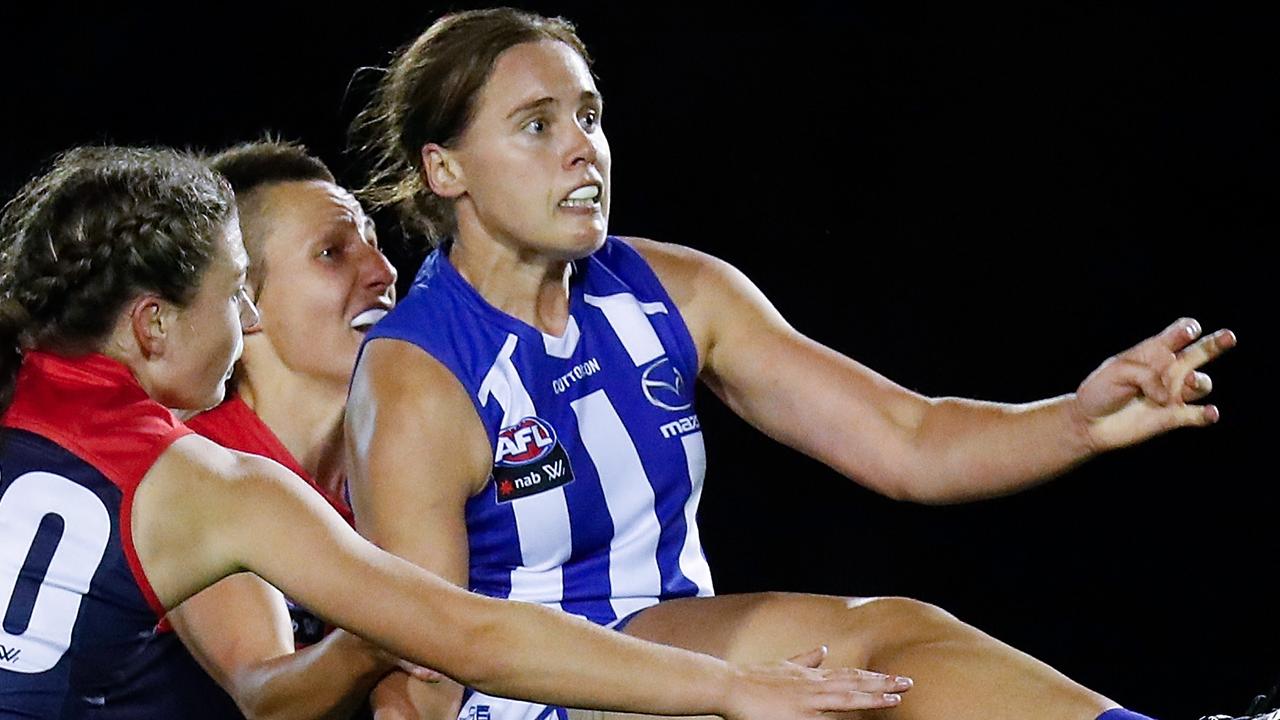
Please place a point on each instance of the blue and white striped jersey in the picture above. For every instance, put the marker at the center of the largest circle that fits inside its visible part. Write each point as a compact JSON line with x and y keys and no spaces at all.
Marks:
{"x":598,"y":456}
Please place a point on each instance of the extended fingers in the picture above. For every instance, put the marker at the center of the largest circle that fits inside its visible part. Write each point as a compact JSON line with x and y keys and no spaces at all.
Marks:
{"x":846,"y":680}
{"x":1176,"y":416}
{"x":853,"y":700}
{"x":1176,"y":336}
{"x":850,"y":689}
{"x":1206,"y":349}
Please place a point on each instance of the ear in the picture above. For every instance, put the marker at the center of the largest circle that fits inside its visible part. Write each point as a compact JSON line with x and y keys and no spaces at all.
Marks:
{"x":442,"y":172}
{"x":151,"y":319}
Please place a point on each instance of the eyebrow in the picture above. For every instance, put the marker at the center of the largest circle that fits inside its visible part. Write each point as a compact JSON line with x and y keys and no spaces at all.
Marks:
{"x":587,"y":95}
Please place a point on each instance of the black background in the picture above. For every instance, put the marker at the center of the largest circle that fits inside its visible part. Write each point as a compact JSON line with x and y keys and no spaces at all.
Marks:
{"x":973,"y":201}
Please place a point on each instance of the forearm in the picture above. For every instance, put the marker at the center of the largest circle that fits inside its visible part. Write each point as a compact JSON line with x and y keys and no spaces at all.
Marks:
{"x":966,"y":449}
{"x":330,"y":680}
{"x":525,"y":651}
{"x":549,"y":656}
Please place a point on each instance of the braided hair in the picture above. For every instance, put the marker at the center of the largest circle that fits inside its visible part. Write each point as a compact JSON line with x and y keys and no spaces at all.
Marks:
{"x":102,"y":225}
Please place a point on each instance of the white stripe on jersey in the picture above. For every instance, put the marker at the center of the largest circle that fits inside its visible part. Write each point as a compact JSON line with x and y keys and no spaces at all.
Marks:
{"x":563,"y":347}
{"x":693,"y":564}
{"x":633,"y":551}
{"x":503,"y":381}
{"x":542,"y":521}
{"x":629,"y":323}
{"x":653,"y":308}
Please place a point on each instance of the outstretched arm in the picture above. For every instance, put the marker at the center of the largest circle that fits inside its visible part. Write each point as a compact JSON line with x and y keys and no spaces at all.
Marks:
{"x":231,"y":511}
{"x":906,"y":445}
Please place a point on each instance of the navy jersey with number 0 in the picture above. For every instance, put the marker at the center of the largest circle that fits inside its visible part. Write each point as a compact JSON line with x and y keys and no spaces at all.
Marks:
{"x":78,"y":613}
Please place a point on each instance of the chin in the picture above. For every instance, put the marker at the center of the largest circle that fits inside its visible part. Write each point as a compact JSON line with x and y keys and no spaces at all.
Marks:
{"x":584,"y":244}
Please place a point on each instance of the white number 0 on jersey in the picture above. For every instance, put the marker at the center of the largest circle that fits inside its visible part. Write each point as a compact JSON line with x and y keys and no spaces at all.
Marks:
{"x":39,"y":645}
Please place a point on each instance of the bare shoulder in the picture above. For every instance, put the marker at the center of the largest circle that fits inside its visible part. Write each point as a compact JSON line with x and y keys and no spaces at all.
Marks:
{"x":197,"y":477}
{"x":679,"y":267}
{"x":401,"y":378}
{"x":405,"y":405}
{"x":709,"y":292}
{"x":194,"y":460}
{"x":394,"y":368}
{"x":191,"y":511}
{"x":689,"y":274}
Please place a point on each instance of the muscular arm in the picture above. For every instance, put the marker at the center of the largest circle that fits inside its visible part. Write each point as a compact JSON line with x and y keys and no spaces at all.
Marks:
{"x":416,"y":452}
{"x":240,"y":632}
{"x":226,"y":509}
{"x":898,"y":442}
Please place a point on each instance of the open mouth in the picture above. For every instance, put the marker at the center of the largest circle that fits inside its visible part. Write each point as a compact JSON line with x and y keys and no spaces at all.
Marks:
{"x":587,"y":196}
{"x":366,"y":319}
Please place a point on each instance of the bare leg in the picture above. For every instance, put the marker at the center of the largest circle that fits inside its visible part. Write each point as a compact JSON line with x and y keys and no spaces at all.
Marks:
{"x":960,"y":673}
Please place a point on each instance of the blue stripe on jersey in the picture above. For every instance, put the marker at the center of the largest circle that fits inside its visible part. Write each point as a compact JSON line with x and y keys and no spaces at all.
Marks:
{"x":616,"y":392}
{"x":489,"y":537}
{"x":671,"y":540}
{"x":586,"y":575}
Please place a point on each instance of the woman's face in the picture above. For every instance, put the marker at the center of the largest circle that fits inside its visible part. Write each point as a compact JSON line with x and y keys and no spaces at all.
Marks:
{"x":206,"y":335}
{"x":326,"y":281}
{"x":533,"y":165}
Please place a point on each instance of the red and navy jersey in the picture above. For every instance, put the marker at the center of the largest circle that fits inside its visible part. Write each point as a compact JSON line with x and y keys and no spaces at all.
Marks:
{"x":77,"y":610}
{"x":171,"y":669}
{"x":235,"y":425}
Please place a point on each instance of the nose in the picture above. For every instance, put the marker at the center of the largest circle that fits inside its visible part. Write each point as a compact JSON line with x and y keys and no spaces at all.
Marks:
{"x":581,"y":147}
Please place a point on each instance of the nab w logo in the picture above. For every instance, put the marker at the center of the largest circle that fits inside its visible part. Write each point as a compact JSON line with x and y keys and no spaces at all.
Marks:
{"x":8,"y":654}
{"x":527,"y":441}
{"x":555,"y":470}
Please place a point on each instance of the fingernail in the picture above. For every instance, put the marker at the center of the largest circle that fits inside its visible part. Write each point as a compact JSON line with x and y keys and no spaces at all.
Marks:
{"x":892,"y":698}
{"x":1193,"y":328}
{"x":1211,"y":413}
{"x":903,"y":682}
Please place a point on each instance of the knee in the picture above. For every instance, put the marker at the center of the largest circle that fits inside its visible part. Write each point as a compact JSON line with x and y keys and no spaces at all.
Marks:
{"x":898,"y":619}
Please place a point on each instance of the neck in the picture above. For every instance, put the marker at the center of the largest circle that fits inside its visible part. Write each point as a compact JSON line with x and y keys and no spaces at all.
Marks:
{"x":520,"y":283}
{"x":304,"y":412}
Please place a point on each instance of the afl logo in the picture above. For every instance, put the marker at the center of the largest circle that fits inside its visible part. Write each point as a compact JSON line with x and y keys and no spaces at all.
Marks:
{"x":527,"y":441}
{"x":663,"y":386}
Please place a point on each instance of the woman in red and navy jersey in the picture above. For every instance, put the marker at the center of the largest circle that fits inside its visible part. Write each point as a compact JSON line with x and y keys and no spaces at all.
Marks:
{"x":319,"y":280}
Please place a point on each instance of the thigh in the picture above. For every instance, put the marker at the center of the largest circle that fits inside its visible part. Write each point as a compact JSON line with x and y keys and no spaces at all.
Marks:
{"x":766,"y":627}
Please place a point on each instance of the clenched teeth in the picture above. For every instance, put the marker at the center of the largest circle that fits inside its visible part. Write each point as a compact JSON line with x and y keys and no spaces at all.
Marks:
{"x":587,"y":196}
{"x":366,"y":319}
